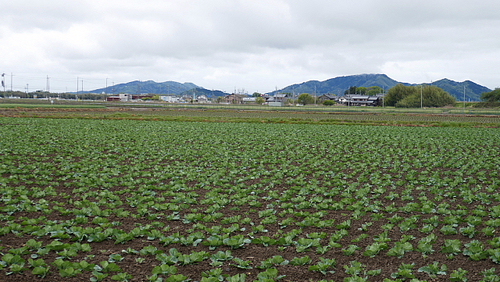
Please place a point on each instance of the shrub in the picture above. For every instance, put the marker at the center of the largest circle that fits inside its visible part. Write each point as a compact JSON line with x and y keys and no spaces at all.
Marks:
{"x":329,"y":103}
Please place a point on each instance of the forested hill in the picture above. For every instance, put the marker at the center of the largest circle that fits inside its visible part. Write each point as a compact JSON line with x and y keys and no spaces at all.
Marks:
{"x":472,"y":90}
{"x":340,"y":84}
{"x":147,"y":87}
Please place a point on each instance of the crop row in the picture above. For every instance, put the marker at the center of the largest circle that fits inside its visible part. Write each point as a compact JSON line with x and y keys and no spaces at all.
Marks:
{"x":163,"y":200}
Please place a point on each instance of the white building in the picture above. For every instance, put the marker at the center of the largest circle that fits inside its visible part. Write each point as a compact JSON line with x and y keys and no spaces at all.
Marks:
{"x":170,"y":99}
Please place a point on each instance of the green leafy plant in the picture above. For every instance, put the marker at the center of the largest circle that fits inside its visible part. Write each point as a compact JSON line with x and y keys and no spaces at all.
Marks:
{"x":490,"y":275}
{"x":475,"y":250}
{"x":405,"y":271}
{"x":164,"y":269}
{"x":469,"y":231}
{"x":273,"y":261}
{"x":178,"y":278}
{"x":237,"y":278}
{"x":123,"y":276}
{"x":452,"y":247}
{"x":399,"y":249}
{"x":243,"y":264}
{"x":434,"y":269}
{"x":358,"y":271}
{"x":426,"y":244}
{"x":213,"y":275}
{"x":374,"y":249}
{"x":494,"y":255}
{"x":106,"y":266}
{"x":324,"y":266}
{"x":302,"y":244}
{"x":270,"y":274}
{"x":236,"y":242}
{"x":297,"y":261}
{"x":265,"y":240}
{"x":459,"y":275}
{"x":350,"y":250}
{"x":98,"y":276}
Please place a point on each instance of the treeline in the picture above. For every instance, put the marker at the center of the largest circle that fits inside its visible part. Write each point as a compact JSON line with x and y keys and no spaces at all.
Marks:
{"x":490,"y":99}
{"x":42,"y":95}
{"x":370,"y":91}
{"x":402,"y":96}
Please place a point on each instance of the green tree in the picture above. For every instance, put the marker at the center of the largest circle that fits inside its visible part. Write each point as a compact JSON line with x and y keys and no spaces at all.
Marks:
{"x":415,"y":96}
{"x":398,"y":93}
{"x":355,"y":90}
{"x":374,"y":90}
{"x":434,"y":96}
{"x":305,"y":99}
{"x":329,"y":103}
{"x":493,"y":96}
{"x":256,"y":94}
{"x":361,"y":90}
{"x":260,"y":100}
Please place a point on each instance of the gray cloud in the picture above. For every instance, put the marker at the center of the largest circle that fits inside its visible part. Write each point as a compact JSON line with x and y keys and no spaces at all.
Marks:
{"x":257,"y":45}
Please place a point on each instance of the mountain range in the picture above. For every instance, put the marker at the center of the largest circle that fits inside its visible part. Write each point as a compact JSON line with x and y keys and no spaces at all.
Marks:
{"x":337,"y":86}
{"x":149,"y":87}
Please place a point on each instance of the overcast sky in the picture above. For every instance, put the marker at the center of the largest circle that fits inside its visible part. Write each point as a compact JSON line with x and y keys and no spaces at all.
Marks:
{"x":255,"y":45}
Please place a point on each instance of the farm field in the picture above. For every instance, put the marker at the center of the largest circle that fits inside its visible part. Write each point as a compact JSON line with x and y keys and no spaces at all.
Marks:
{"x":143,"y":200}
{"x":254,"y":114}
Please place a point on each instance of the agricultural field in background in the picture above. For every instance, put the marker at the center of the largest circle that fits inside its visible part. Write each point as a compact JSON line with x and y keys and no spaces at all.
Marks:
{"x":133,"y":200}
{"x":255,"y":114}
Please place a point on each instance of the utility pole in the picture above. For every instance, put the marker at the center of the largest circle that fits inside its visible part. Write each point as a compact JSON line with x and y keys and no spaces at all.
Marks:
{"x":3,"y":81}
{"x":383,"y":97}
{"x":464,"y":98}
{"x":315,"y":102}
{"x":421,"y":96}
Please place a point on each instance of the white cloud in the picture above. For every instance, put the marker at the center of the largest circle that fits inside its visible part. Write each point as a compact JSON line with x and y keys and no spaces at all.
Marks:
{"x":257,"y":45}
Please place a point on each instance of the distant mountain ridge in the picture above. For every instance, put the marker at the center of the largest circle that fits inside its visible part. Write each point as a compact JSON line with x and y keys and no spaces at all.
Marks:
{"x":147,"y":87}
{"x":472,"y":90}
{"x":159,"y":88}
{"x":335,"y":86}
{"x":339,"y":85}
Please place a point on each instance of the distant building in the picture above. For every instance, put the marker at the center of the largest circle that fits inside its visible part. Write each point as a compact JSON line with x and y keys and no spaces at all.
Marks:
{"x":127,"y":97}
{"x":202,"y":99}
{"x":326,"y":97}
{"x":282,"y":97}
{"x":120,"y":98}
{"x":249,"y":100}
{"x":234,"y":98}
{"x":278,"y":100}
{"x":360,"y":100}
{"x":170,"y":99}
